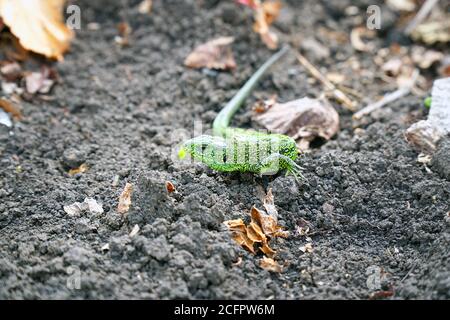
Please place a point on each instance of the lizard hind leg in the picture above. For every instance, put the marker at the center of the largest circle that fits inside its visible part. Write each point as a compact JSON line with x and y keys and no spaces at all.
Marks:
{"x":274,"y":162}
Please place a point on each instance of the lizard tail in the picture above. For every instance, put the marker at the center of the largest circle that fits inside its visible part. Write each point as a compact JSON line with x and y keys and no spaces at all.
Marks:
{"x":224,"y":117}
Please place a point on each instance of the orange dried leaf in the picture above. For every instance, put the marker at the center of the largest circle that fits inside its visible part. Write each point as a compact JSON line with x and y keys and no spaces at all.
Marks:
{"x":125,"y":199}
{"x":255,"y":233}
{"x":236,"y":225}
{"x":268,"y":251}
{"x":170,"y":187}
{"x":80,"y":169}
{"x":38,"y":24}
{"x":145,"y":7}
{"x":270,"y":265}
{"x":268,"y":223}
{"x":243,"y":241}
{"x":214,"y":54}
{"x":265,"y":14}
{"x":9,"y":107}
{"x":307,"y":248}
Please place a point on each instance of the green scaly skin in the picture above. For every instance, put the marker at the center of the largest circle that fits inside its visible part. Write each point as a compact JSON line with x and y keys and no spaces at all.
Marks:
{"x":233,"y":149}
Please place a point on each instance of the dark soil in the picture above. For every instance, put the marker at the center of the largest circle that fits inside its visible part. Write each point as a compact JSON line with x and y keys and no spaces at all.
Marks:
{"x":372,"y":208}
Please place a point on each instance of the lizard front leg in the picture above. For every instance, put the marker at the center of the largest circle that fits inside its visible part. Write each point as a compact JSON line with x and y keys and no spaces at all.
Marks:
{"x":276,"y":161}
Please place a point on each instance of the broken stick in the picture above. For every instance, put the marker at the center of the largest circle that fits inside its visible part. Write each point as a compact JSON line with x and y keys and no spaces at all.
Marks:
{"x":388,"y":98}
{"x":338,"y":94}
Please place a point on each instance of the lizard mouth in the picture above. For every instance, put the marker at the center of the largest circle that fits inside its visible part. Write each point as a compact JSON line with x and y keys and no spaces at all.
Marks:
{"x":182,"y":153}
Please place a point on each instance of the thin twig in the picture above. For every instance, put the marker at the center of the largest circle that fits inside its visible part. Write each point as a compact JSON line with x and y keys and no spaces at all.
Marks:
{"x":388,"y":98}
{"x":420,"y":16}
{"x":338,"y":94}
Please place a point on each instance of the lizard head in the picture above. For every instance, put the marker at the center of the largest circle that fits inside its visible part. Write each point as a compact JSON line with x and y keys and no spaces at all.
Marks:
{"x":202,"y":148}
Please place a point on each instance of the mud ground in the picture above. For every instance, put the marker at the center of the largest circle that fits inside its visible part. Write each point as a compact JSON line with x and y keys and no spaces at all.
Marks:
{"x":372,"y":208}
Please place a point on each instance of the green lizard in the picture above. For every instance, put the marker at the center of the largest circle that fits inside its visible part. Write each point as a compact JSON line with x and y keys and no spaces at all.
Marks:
{"x":235,"y":149}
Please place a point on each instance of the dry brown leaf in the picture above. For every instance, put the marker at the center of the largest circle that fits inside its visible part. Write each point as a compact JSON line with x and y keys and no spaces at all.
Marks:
{"x":134,"y":231}
{"x":268,"y":251}
{"x":214,"y":54}
{"x":356,"y":36}
{"x":11,"y":71}
{"x":424,"y":59}
{"x":402,"y":5}
{"x":255,"y":233}
{"x":244,"y":241}
{"x":80,"y":169}
{"x":125,"y":199}
{"x":307,"y":248}
{"x":302,"y":119}
{"x":433,"y":31}
{"x":268,"y":223}
{"x":263,"y":105}
{"x":11,"y":108}
{"x":236,"y":225}
{"x":269,"y":205}
{"x":40,"y":82}
{"x":392,"y":67}
{"x":170,"y":187}
{"x":265,"y":14}
{"x":124,"y":30}
{"x":270,"y":265}
{"x":261,"y":228}
{"x":425,"y":134}
{"x":38,"y":24}
{"x":145,"y":7}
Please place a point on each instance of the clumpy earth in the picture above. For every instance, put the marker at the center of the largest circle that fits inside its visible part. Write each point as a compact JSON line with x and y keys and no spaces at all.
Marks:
{"x":378,"y":219}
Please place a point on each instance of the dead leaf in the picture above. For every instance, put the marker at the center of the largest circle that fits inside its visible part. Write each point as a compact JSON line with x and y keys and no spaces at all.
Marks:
{"x":145,"y":7}
{"x":255,"y":233}
{"x":88,"y":205}
{"x":424,"y":158}
{"x":264,"y":14}
{"x":433,"y":31}
{"x":125,"y":199}
{"x":38,"y":24}
{"x":170,"y":187}
{"x":244,"y":241}
{"x":424,"y":59}
{"x":249,"y":3}
{"x":11,"y":71}
{"x":236,"y":225}
{"x":123,"y":39}
{"x":302,"y":119}
{"x":336,"y":78}
{"x":269,"y":205}
{"x":11,"y":108}
{"x":425,"y":134}
{"x":214,"y":54}
{"x":270,"y":265}
{"x":268,"y":251}
{"x":268,"y":223}
{"x":392,"y":67}
{"x":263,"y":105}
{"x":40,"y":82}
{"x":81,"y":169}
{"x":402,"y":5}
{"x":135,"y":231}
{"x":356,"y":36}
{"x":261,"y":228}
{"x":382,"y":294}
{"x":307,"y":248}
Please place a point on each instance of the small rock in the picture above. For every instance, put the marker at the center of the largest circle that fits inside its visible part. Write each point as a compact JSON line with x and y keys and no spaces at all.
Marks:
{"x":441,"y":160}
{"x":158,"y":248}
{"x":73,"y":158}
{"x":89,"y":205}
{"x":5,"y":120}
